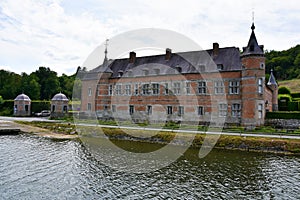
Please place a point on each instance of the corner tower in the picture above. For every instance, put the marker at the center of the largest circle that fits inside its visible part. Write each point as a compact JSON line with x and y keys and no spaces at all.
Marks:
{"x":252,"y":82}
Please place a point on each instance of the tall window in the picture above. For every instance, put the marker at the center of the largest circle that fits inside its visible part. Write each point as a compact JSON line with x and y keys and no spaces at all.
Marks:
{"x":136,"y":89}
{"x":234,"y":87}
{"x":260,"y":111}
{"x":89,"y":106}
{"x":146,"y":89}
{"x":236,"y":110}
{"x":110,"y":90}
{"x":219,"y":87}
{"x":131,"y":109}
{"x":180,"y":110}
{"x":169,"y":110}
{"x":260,"y":85}
{"x":149,"y":110}
{"x":176,"y":88}
{"x":201,"y":87}
{"x":118,"y":89}
{"x":128,"y":89}
{"x":222,"y":110}
{"x":166,"y":88}
{"x":90,"y":91}
{"x":188,"y":87}
{"x":200,"y":110}
{"x":113,"y":108}
{"x":155,"y":88}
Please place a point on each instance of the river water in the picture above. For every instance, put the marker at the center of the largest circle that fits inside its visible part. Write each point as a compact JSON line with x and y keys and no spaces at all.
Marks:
{"x":38,"y":168}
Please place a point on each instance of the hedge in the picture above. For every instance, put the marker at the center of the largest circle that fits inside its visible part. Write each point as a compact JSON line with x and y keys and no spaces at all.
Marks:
{"x":295,"y":95}
{"x":6,"y":108}
{"x":283,"y":115}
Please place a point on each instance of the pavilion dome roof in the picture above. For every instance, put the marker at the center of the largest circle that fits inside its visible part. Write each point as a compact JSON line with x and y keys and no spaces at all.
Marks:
{"x":60,"y":97}
{"x":22,"y":97}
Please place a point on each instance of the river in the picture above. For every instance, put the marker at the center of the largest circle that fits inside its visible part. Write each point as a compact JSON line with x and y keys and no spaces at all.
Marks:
{"x":38,"y":168}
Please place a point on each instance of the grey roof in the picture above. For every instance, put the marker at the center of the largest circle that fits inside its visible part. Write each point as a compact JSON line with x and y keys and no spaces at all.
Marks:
{"x":272,"y":80}
{"x":60,"y":97}
{"x":253,"y":48}
{"x":183,"y":62}
{"x":22,"y":97}
{"x":188,"y":62}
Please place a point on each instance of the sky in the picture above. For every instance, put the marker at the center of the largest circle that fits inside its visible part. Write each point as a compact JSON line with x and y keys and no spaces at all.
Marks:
{"x":61,"y":34}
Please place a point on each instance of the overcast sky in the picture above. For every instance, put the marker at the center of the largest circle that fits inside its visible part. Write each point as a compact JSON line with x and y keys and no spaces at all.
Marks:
{"x":60,"y":34}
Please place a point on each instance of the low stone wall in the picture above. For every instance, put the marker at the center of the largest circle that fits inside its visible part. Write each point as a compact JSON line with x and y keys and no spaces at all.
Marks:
{"x":283,"y":123}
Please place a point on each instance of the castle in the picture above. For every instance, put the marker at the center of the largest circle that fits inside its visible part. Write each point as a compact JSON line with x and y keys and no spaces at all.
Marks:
{"x":165,"y":87}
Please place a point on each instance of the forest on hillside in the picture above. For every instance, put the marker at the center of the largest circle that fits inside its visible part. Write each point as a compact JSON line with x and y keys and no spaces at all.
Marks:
{"x":285,"y":64}
{"x":44,"y":83}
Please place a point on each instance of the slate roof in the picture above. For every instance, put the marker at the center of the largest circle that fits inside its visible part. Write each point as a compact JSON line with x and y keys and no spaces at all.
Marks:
{"x":253,"y":47}
{"x":272,"y":80}
{"x":22,"y":97}
{"x":188,"y":62}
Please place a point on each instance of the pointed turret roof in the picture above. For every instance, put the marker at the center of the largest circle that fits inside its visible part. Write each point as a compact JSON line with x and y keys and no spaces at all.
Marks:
{"x":253,"y":48}
{"x":272,"y":80}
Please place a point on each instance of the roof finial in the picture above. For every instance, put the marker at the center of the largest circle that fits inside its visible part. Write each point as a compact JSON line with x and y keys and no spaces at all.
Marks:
{"x":252,"y":27}
{"x":106,"y":44}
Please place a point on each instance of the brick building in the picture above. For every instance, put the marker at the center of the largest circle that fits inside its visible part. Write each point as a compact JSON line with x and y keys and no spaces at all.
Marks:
{"x":197,"y":85}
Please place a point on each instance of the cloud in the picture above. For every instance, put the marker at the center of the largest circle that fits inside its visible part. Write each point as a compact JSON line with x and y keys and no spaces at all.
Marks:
{"x":61,"y":34}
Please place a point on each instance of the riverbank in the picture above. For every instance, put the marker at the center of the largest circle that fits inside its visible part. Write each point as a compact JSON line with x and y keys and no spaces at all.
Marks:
{"x":242,"y":142}
{"x":31,"y":128}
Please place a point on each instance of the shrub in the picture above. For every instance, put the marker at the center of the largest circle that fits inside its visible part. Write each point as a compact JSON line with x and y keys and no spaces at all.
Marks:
{"x":284,"y":90}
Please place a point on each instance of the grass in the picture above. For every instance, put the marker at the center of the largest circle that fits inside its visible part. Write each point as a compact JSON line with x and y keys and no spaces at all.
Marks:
{"x":293,"y":85}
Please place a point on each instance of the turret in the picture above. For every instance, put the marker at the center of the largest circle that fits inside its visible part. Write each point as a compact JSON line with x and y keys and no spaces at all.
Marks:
{"x":272,"y":84}
{"x":253,"y":79}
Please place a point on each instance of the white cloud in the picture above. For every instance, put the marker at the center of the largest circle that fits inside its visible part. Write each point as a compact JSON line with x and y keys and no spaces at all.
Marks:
{"x":61,"y":34}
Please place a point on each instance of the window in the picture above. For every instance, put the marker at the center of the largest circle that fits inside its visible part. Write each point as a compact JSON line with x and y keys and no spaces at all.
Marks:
{"x":234,"y":87}
{"x":200,"y":110}
{"x":105,"y":107}
{"x":146,"y":89}
{"x":260,"y":85}
{"x":260,"y":111}
{"x":53,"y":108}
{"x":89,"y":107}
{"x":236,"y":110}
{"x":118,"y":89}
{"x":180,"y":110}
{"x":176,"y":88}
{"x":166,"y":88}
{"x":179,"y":69}
{"x":110,"y":90}
{"x":136,"y":89}
{"x":90,"y":91}
{"x":130,"y":74}
{"x":120,"y":73}
{"x":262,"y":65}
{"x":202,"y":87}
{"x":146,"y":72}
{"x":149,"y":110}
{"x":155,"y":88}
{"x":113,"y":108}
{"x":131,"y":109}
{"x":188,"y":87}
{"x":222,"y":110}
{"x":220,"y":66}
{"x":201,"y":68}
{"x":169,"y":110}
{"x":65,"y":108}
{"x":156,"y":71}
{"x":128,"y":89}
{"x":219,"y":87}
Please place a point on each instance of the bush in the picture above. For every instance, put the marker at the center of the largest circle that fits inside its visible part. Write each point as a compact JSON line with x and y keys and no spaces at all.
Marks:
{"x":38,"y":106}
{"x":295,"y":95}
{"x":284,"y":90}
{"x":283,"y":115}
{"x":6,"y":108}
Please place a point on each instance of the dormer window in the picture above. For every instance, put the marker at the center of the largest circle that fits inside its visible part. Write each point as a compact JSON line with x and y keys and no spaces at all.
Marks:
{"x":220,"y":67}
{"x":120,"y":73}
{"x":156,"y":71}
{"x":251,"y":47}
{"x":146,"y":72}
{"x":179,"y":69}
{"x":130,"y":74}
{"x":201,"y":68}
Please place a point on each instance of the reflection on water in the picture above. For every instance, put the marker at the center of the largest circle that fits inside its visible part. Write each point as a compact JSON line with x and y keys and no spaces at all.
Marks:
{"x":36,"y":168}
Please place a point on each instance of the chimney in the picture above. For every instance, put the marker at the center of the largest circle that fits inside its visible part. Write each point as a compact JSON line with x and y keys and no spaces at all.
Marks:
{"x":215,"y":49}
{"x":132,"y":56}
{"x":168,"y":54}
